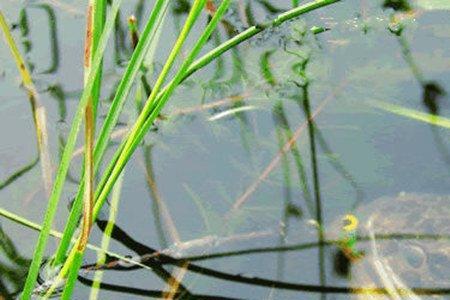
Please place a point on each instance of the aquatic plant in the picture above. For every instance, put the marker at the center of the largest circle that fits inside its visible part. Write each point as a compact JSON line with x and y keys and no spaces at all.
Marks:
{"x":151,"y":97}
{"x":90,"y":199}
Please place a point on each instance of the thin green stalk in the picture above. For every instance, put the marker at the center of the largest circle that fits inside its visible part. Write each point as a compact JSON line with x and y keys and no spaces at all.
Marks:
{"x":70,"y":268}
{"x":410,"y":113}
{"x":101,"y":256}
{"x":193,"y":15}
{"x":130,"y":143}
{"x":67,"y":157}
{"x":245,"y":35}
{"x":146,"y":39}
{"x":153,"y":108}
{"x":252,"y":31}
{"x":72,"y":278}
{"x":56,"y":234}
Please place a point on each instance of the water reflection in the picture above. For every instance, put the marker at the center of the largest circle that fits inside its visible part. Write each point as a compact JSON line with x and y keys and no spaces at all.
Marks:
{"x":153,"y":257}
{"x":13,"y":269}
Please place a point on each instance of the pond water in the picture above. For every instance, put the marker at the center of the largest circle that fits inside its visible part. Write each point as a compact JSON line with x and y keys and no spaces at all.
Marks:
{"x":209,"y":180}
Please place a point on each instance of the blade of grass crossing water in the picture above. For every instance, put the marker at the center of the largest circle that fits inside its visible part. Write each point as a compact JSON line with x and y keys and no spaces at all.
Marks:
{"x":146,"y":40}
{"x":252,"y":31}
{"x":27,"y":223}
{"x":247,"y":34}
{"x":72,"y":266}
{"x":112,"y":172}
{"x":72,"y":260}
{"x":67,"y":156}
{"x":101,"y":256}
{"x":144,"y":122}
{"x":73,"y":263}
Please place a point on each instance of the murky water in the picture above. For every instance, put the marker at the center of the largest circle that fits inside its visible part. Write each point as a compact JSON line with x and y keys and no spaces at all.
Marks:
{"x":219,"y":183}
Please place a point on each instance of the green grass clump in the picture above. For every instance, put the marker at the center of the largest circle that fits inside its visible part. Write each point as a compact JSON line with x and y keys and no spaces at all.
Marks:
{"x":71,"y":248}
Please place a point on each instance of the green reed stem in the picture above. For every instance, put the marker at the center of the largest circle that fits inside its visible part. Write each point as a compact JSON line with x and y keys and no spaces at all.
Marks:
{"x":146,"y":39}
{"x":154,"y":105}
{"x":67,"y":157}
{"x":195,"y":11}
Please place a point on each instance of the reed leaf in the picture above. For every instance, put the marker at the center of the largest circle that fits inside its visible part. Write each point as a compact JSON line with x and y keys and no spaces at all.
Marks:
{"x":94,"y":27}
{"x":154,"y":105}
{"x":101,"y":256}
{"x":67,"y":156}
{"x":76,"y":252}
{"x":56,"y":234}
{"x":146,"y":40}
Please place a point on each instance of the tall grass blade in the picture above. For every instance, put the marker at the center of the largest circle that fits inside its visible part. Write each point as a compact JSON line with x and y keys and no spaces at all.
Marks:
{"x":154,"y":104}
{"x":252,"y":31}
{"x":93,"y":30}
{"x":146,"y":40}
{"x":193,"y":15}
{"x":56,"y":234}
{"x":101,"y":256}
{"x":67,"y":156}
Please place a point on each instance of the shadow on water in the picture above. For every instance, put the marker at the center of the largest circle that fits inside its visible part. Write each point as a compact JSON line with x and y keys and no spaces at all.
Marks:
{"x":13,"y":270}
{"x":156,"y":259}
{"x":23,"y":25}
{"x":433,"y":94}
{"x":19,"y":173}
